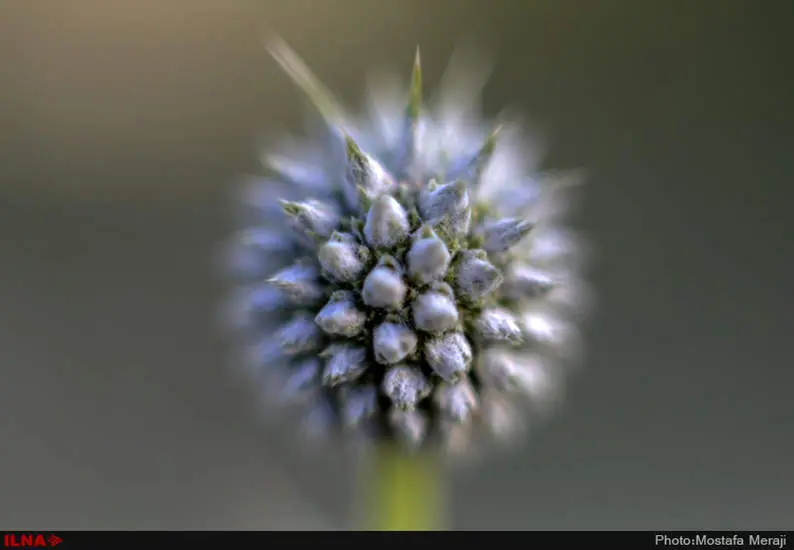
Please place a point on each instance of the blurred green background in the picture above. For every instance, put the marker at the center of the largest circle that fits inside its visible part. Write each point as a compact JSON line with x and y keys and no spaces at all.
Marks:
{"x":125,"y":124}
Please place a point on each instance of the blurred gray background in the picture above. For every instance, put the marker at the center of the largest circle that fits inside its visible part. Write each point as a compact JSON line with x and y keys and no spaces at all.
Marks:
{"x":124,"y":124}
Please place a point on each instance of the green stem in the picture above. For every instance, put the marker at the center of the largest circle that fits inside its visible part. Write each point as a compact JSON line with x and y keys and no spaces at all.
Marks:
{"x":404,"y":492}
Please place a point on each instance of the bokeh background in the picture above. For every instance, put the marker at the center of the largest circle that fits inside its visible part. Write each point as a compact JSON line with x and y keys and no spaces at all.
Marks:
{"x":124,"y":125}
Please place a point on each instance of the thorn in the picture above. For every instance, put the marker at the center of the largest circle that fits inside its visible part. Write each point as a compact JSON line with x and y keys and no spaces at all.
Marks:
{"x":352,"y":149}
{"x":415,"y":95}
{"x":305,"y":79}
{"x":290,"y":207}
{"x":486,"y":151}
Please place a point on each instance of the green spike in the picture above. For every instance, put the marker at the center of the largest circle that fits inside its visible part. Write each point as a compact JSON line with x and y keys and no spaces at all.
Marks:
{"x":426,"y":232}
{"x":415,"y":94}
{"x":305,"y":79}
{"x":414,"y":218}
{"x":364,"y":199}
{"x":356,"y":159}
{"x":404,"y":156}
{"x":291,"y":208}
{"x":277,"y":164}
{"x":486,"y":151}
{"x":353,"y":151}
{"x":460,"y":188}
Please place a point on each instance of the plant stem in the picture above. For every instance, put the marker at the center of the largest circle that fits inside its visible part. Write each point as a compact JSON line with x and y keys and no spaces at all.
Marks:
{"x":404,"y":492}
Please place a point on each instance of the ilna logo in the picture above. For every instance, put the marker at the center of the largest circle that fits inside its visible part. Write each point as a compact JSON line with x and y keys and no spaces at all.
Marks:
{"x":29,"y":540}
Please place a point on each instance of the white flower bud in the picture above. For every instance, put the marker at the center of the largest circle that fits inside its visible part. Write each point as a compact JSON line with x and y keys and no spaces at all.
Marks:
{"x":343,"y":364}
{"x":363,"y":175}
{"x":440,"y":201}
{"x":547,"y":330}
{"x":263,"y":297}
{"x":501,"y":417}
{"x":249,"y":304}
{"x":254,"y":202}
{"x":571,"y":296}
{"x":318,"y":424}
{"x":409,"y":426}
{"x":552,"y":246}
{"x":299,"y":335}
{"x":500,"y":235}
{"x":525,"y":281}
{"x":341,"y":258}
{"x":496,"y":369}
{"x":428,"y":258}
{"x":305,"y":175}
{"x":456,"y":401}
{"x":299,"y":282}
{"x":498,"y":324}
{"x":450,"y":201}
{"x":340,"y":316}
{"x":251,"y":253}
{"x":458,"y":441}
{"x":536,"y":380}
{"x":435,"y":310}
{"x":529,"y":375}
{"x":449,"y":356}
{"x":476,"y":277}
{"x":393,"y":342}
{"x":546,"y":196}
{"x":312,"y":218}
{"x":264,"y":354}
{"x":406,"y":386}
{"x":387,"y":223}
{"x":384,"y":286}
{"x":358,"y":404}
{"x":302,"y":381}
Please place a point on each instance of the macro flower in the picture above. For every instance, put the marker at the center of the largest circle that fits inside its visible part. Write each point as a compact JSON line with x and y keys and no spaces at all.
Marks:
{"x":406,"y":276}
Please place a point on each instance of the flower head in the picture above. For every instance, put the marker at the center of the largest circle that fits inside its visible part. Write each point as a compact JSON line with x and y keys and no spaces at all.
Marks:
{"x":417,"y":284}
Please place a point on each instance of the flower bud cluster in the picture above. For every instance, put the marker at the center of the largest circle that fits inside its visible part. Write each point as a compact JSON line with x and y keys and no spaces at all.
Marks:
{"x":409,"y":310}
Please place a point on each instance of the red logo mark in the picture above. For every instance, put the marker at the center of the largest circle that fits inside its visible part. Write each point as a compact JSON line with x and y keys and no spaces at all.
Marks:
{"x":27,"y":540}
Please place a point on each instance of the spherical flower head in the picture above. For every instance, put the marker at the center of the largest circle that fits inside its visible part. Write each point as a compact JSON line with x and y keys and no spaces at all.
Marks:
{"x":410,"y":280}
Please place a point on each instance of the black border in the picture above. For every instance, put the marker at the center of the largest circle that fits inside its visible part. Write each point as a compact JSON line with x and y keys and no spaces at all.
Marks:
{"x":197,"y":540}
